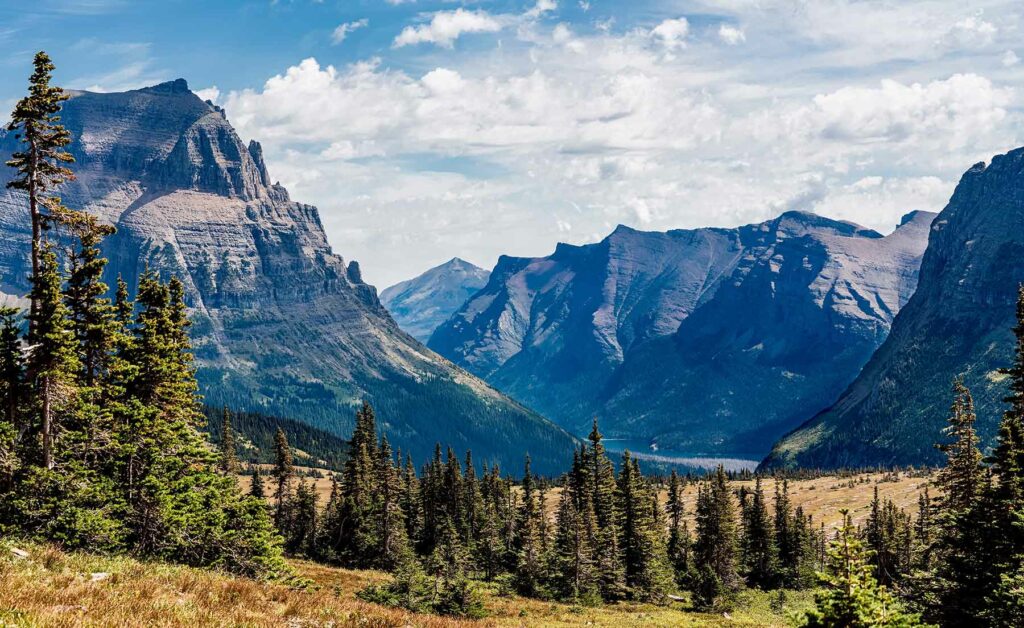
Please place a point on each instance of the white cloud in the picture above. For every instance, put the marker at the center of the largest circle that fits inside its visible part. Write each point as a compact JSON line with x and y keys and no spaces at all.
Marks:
{"x":731,"y":35}
{"x":341,"y":32}
{"x":859,"y":114}
{"x":210,"y":93}
{"x":447,"y":26}
{"x":539,"y":9}
{"x":1010,"y":59}
{"x":672,"y":33}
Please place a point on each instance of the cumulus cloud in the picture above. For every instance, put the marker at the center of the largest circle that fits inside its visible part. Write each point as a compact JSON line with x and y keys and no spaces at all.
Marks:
{"x":341,"y":32}
{"x":447,"y":26}
{"x":672,"y":33}
{"x":957,"y":109}
{"x":731,"y":35}
{"x":584,"y":128}
{"x":539,"y":9}
{"x":1010,"y":59}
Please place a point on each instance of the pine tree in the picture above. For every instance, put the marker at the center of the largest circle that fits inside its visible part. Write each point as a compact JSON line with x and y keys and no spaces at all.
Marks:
{"x":256,"y":488}
{"x":53,"y":362}
{"x":574,"y":572}
{"x":228,"y":449}
{"x":716,"y":546}
{"x":41,"y":165}
{"x":530,"y":572}
{"x":851,"y":598}
{"x":93,"y":317}
{"x":1005,"y":605}
{"x":679,"y":542}
{"x":924,"y":532}
{"x":283,"y":472}
{"x":760,"y":555}
{"x":643,"y":543}
{"x":12,"y":394}
{"x":302,"y":520}
{"x":391,"y":530}
{"x":601,"y":484}
{"x":964,"y":573}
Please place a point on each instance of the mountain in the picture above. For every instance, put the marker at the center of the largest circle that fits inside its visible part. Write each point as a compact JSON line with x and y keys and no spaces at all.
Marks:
{"x":419,"y":305}
{"x":282,"y":325}
{"x":667,"y":335}
{"x":958,"y":322}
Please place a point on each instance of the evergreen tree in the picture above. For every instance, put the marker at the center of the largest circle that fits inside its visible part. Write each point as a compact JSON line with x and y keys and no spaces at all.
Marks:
{"x":643,"y":530}
{"x":52,"y":360}
{"x":716,"y":544}
{"x":575,"y":576}
{"x":391,"y":530}
{"x":850,"y":597}
{"x":601,"y":484}
{"x":41,"y":166}
{"x":758,"y":542}
{"x":256,"y":488}
{"x":530,"y":572}
{"x":302,"y":520}
{"x":1005,"y":605}
{"x":679,"y":542}
{"x":228,"y":449}
{"x":283,"y":472}
{"x":93,"y":317}
{"x":964,"y":573}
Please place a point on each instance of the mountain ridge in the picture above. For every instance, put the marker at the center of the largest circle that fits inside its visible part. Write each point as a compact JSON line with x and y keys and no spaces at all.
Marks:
{"x":958,"y":322}
{"x":282,"y":325}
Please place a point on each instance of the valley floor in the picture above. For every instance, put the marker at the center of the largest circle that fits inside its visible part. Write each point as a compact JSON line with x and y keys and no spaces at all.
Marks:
{"x":49,"y":587}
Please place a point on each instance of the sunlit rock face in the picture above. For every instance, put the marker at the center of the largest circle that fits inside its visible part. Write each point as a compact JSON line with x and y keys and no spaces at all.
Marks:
{"x":281,"y":323}
{"x":705,"y":340}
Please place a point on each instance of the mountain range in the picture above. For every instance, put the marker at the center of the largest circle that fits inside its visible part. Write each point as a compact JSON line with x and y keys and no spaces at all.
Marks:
{"x":282,"y":324}
{"x":700,"y":341}
{"x":419,"y":305}
{"x":958,"y":323}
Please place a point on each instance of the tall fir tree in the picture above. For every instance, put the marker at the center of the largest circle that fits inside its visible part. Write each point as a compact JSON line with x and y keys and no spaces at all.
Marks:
{"x":228,"y":448}
{"x":716,"y":545}
{"x":760,"y":554}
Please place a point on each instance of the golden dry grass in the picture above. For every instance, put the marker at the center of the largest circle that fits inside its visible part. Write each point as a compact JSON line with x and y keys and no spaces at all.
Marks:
{"x":53,"y":588}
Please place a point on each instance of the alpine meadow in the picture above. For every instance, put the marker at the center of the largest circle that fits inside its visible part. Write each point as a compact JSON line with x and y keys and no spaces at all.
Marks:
{"x":693,"y":313}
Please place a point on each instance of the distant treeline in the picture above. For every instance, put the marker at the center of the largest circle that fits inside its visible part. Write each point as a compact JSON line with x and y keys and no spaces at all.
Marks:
{"x":255,"y":433}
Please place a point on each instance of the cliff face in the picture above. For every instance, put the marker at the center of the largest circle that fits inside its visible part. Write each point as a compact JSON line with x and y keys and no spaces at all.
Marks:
{"x":957,"y":323}
{"x":707,"y":340}
{"x":282,"y":324}
{"x":419,"y":305}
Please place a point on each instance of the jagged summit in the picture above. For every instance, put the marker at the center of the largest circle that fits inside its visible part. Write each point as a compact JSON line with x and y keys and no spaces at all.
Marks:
{"x":420,"y":304}
{"x":281,"y":323}
{"x":958,"y":322}
{"x":656,"y":331}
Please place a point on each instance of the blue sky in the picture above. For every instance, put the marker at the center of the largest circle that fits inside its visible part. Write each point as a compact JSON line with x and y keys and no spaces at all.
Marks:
{"x":427,"y":129}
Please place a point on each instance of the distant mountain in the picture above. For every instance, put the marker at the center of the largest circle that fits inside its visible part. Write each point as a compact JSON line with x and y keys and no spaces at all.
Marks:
{"x":667,"y":335}
{"x":282,"y":325}
{"x":421,"y":304}
{"x":958,"y":322}
{"x":255,"y":432}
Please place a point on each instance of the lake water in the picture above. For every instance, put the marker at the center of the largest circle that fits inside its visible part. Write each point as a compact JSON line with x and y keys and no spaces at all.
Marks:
{"x":642,"y":450}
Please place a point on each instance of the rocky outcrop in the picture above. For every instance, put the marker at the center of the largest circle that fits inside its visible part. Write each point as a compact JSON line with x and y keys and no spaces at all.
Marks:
{"x":958,"y":322}
{"x":421,"y":304}
{"x":282,"y":324}
{"x":666,"y":335}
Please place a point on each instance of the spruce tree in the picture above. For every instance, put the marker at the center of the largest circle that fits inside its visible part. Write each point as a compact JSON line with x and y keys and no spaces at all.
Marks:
{"x":283,"y":472}
{"x":574,"y":572}
{"x":850,"y":595}
{"x":228,"y":449}
{"x":53,"y":361}
{"x":602,"y":486}
{"x":530,"y":572}
{"x":41,"y":166}
{"x":760,"y":555}
{"x":715,"y":549}
{"x":643,"y":530}
{"x":256,"y":488}
{"x":679,"y":541}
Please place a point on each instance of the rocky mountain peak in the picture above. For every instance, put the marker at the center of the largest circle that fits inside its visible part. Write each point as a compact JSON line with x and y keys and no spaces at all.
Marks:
{"x":281,"y":323}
